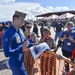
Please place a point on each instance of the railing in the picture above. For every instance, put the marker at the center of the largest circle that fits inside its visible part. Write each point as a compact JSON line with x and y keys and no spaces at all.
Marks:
{"x":46,"y":64}
{"x":60,"y":65}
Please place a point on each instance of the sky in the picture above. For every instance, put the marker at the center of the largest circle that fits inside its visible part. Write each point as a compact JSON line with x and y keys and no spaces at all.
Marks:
{"x":33,"y":7}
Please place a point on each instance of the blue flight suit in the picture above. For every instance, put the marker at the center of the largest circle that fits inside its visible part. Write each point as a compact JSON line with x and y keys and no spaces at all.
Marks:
{"x":12,"y":42}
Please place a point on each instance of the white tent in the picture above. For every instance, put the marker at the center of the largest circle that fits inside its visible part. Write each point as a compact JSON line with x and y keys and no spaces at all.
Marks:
{"x":66,"y":15}
{"x":54,"y":16}
{"x":45,"y":18}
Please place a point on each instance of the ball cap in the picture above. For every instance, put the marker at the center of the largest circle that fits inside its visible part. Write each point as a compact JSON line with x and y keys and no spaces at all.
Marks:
{"x":20,"y":14}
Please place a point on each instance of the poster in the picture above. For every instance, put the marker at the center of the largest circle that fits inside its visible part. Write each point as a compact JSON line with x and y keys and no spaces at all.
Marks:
{"x":36,"y":50}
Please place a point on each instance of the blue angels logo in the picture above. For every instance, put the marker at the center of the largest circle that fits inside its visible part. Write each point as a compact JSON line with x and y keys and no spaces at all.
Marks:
{"x":18,"y":39}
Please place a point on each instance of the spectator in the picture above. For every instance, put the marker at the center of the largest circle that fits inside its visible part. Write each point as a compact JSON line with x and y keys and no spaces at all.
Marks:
{"x":41,"y":29}
{"x":6,"y":26}
{"x":30,"y":36}
{"x":72,"y":71}
{"x":58,"y":29}
{"x":47,"y":38}
{"x":1,"y":33}
{"x":35,"y":28}
{"x":68,"y":39}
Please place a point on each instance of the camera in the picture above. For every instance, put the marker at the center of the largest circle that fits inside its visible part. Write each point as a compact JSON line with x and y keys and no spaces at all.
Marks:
{"x":68,"y":34}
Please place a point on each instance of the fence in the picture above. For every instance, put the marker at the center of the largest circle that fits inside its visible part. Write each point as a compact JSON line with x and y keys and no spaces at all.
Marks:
{"x":46,"y":64}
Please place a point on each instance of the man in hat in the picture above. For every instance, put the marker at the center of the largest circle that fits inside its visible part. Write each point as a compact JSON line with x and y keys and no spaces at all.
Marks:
{"x":14,"y":43}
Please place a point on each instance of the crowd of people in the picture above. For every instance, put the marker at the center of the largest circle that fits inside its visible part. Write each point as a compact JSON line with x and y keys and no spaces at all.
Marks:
{"x":17,"y":36}
{"x":3,"y":27}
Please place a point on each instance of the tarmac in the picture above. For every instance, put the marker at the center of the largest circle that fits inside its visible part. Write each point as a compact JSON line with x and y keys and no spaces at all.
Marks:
{"x":3,"y":67}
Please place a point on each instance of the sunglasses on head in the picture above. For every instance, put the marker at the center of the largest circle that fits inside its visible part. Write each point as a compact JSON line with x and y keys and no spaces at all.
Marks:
{"x":28,"y":26}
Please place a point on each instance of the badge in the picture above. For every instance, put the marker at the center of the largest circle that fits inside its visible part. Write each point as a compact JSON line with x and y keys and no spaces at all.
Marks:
{"x":68,"y":43}
{"x":18,"y":39}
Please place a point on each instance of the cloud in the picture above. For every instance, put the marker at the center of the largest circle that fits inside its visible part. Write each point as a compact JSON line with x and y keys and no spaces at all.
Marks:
{"x":50,"y":8}
{"x":61,"y":8}
{"x":32,"y":9}
{"x":6,"y":1}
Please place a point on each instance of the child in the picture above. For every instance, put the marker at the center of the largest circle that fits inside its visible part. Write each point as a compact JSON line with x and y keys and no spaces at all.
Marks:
{"x":47,"y":38}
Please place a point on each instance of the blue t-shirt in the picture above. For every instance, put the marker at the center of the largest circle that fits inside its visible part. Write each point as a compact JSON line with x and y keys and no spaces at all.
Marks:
{"x":67,"y":44}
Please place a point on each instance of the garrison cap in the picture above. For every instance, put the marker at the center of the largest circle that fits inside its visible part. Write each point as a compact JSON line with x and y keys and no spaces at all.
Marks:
{"x":21,"y":14}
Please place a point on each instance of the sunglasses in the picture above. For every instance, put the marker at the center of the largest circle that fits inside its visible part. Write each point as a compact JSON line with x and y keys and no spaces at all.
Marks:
{"x":28,"y":26}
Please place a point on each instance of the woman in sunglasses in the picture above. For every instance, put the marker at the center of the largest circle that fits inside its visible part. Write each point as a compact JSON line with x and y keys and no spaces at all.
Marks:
{"x":30,"y":36}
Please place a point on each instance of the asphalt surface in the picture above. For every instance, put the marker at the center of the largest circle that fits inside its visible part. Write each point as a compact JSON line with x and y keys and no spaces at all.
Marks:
{"x":3,"y":66}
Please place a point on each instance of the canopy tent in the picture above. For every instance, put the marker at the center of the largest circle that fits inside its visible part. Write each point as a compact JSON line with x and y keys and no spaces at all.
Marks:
{"x":66,"y":15}
{"x":57,"y":13}
{"x":54,"y":16}
{"x":45,"y":18}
